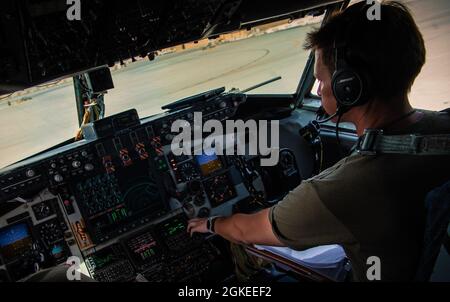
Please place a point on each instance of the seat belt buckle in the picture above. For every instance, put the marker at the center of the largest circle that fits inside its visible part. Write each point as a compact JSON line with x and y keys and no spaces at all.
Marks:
{"x":367,"y":142}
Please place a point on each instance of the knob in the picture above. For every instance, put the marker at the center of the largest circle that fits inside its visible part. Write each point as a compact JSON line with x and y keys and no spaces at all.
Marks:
{"x":58,"y":178}
{"x":84,"y":153}
{"x":89,"y":167}
{"x":76,"y":164}
{"x":203,"y":212}
{"x":30,"y":173}
{"x":53,"y":165}
{"x":223,"y":104}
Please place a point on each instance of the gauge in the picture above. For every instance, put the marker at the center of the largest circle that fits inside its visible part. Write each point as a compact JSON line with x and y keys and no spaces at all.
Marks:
{"x":219,"y":189}
{"x":43,"y":210}
{"x":203,"y":213}
{"x":188,"y":171}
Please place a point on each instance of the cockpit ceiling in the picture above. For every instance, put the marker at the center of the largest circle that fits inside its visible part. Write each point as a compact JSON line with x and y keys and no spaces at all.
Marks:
{"x":38,"y":42}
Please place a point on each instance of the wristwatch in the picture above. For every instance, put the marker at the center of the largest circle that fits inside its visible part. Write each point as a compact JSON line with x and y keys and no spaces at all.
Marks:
{"x":210,"y":224}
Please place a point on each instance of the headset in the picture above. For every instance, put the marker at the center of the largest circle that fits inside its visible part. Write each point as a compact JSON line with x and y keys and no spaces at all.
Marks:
{"x":350,"y":86}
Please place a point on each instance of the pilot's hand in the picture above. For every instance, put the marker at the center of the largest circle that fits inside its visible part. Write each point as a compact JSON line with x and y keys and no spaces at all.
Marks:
{"x":197,"y":225}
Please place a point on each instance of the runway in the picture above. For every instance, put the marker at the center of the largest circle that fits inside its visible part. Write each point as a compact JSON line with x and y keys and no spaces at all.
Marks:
{"x":49,"y":117}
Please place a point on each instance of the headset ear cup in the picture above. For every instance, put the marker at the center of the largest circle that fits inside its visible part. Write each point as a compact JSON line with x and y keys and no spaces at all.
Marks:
{"x":348,"y":88}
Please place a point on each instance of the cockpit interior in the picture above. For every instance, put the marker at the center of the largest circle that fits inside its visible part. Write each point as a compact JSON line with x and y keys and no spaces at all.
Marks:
{"x":88,"y":101}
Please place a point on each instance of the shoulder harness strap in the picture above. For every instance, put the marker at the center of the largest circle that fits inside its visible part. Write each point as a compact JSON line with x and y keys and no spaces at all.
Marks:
{"x":374,"y":142}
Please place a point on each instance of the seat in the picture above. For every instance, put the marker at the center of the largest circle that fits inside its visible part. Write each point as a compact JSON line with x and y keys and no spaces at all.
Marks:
{"x":437,"y":203}
{"x":320,"y":264}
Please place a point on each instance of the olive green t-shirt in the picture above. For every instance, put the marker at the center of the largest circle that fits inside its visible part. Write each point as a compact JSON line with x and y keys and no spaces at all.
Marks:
{"x":371,"y":205}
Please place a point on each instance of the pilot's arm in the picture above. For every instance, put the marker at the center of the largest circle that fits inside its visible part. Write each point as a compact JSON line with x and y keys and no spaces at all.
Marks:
{"x":240,"y":228}
{"x":299,"y":221}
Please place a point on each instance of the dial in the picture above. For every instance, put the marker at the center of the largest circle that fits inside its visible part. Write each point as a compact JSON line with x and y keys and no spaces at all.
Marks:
{"x":219,"y":189}
{"x":43,"y":210}
{"x":188,"y":171}
{"x":223,"y":104}
{"x":30,"y":173}
{"x":76,"y":164}
{"x":58,"y":178}
{"x":203,"y":212}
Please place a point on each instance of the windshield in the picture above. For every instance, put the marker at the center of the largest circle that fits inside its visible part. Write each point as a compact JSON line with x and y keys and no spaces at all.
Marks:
{"x":41,"y":117}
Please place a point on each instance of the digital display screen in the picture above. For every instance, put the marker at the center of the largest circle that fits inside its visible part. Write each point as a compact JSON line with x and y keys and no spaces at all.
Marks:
{"x":57,"y":250}
{"x":14,"y":240}
{"x":173,"y":227}
{"x":174,"y":233}
{"x":105,"y":257}
{"x":101,"y":261}
{"x":143,"y":249}
{"x":219,"y":189}
{"x":208,"y":163}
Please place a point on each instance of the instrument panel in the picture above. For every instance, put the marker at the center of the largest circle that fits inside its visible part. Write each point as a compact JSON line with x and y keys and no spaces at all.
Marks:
{"x":121,"y":203}
{"x":113,"y":203}
{"x":33,"y":236}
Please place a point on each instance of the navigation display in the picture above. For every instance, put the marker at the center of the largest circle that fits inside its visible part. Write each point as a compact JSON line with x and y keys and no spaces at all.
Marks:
{"x":208,"y":163}
{"x":14,"y":240}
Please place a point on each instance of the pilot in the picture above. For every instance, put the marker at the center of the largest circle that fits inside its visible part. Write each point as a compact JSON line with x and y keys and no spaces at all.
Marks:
{"x":370,"y":205}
